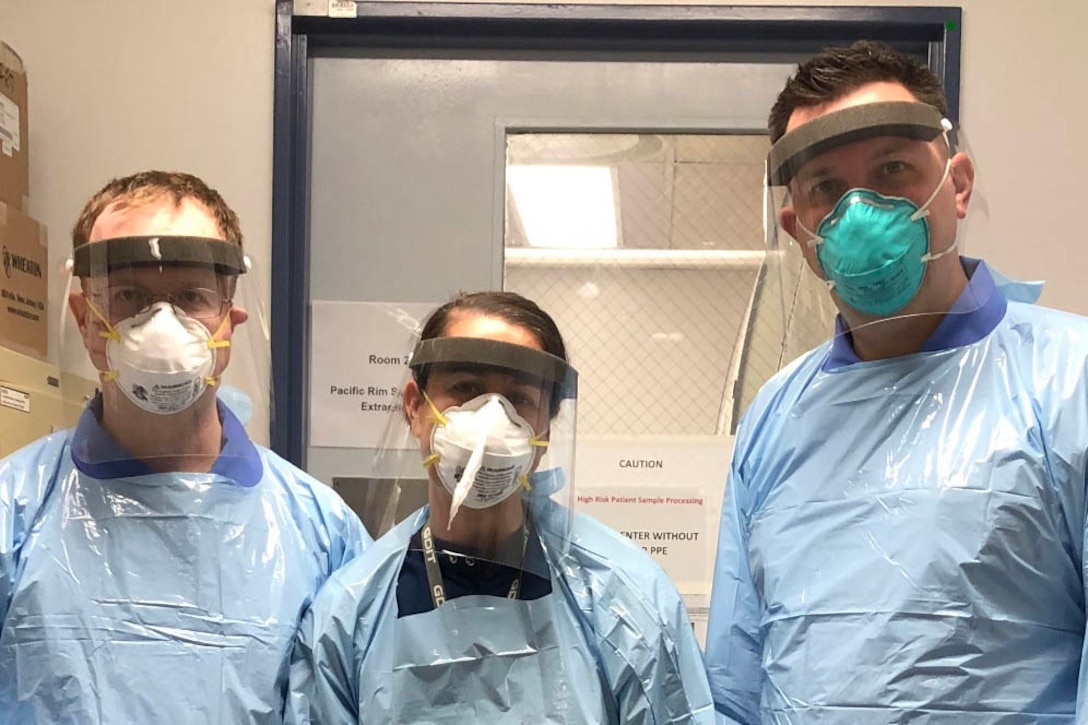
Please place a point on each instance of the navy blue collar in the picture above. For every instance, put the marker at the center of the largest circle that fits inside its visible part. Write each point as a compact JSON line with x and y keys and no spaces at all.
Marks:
{"x":96,"y":454}
{"x":974,"y":315}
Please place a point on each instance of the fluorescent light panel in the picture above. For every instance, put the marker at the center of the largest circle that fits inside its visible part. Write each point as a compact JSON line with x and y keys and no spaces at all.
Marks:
{"x":565,"y":207}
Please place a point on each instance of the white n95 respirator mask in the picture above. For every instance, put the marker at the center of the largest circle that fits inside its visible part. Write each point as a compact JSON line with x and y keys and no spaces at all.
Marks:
{"x":482,"y":451}
{"x":161,"y":359}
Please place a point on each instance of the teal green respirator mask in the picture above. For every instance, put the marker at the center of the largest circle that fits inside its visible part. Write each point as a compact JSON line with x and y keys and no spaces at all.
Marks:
{"x":873,"y":249}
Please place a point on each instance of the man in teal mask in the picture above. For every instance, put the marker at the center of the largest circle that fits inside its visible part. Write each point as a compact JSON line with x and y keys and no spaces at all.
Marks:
{"x":903,"y":529}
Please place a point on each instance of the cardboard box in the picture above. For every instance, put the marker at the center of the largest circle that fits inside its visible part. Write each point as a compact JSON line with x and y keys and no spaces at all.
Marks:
{"x":75,"y":392}
{"x":14,"y":138}
{"x":30,"y":401}
{"x":24,"y":284}
{"x":36,"y":399}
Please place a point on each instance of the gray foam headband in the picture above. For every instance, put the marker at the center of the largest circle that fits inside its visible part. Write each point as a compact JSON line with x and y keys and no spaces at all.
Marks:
{"x":909,"y":119}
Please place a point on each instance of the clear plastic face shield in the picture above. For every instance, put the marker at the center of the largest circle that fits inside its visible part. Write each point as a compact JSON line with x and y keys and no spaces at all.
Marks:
{"x":168,"y":330}
{"x":490,"y":426}
{"x":875,"y":196}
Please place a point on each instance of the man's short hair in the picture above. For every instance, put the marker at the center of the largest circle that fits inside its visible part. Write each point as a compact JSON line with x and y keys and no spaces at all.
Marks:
{"x":836,"y":72}
{"x":153,"y":187}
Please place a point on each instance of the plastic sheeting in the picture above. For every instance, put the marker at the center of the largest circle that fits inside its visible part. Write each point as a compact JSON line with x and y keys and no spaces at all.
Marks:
{"x":158,"y":597}
{"x":612,"y":643}
{"x":902,"y":539}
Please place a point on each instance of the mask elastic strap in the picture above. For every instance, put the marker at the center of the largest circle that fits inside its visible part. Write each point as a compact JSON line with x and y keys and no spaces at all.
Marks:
{"x":923,"y":211}
{"x":111,"y":333}
{"x":938,"y":255}
{"x":439,"y":418}
{"x":813,"y":242}
{"x":215,"y":344}
{"x":432,"y":459}
{"x":815,"y":238}
{"x":522,"y":478}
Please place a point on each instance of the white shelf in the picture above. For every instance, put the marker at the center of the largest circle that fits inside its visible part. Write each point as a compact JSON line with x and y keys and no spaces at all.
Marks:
{"x":636,"y":258}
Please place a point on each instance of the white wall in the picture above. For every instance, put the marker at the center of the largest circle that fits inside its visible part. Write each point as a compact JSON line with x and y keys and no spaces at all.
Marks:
{"x":123,"y":85}
{"x":126,"y":85}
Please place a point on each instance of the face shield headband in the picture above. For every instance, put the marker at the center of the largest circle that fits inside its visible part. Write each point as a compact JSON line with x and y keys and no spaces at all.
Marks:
{"x":552,"y":371}
{"x":907,"y":119}
{"x":98,"y":259}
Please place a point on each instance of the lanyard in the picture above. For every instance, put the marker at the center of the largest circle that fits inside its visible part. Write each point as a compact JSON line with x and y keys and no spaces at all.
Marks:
{"x":434,"y":573}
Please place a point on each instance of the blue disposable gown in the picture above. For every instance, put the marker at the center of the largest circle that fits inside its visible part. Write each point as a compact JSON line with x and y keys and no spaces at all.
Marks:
{"x":902,"y":540}
{"x":626,"y":650}
{"x":162,"y":598}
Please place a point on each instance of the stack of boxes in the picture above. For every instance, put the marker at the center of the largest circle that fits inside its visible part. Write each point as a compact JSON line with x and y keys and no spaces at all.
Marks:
{"x":24,"y":288}
{"x":29,"y":395}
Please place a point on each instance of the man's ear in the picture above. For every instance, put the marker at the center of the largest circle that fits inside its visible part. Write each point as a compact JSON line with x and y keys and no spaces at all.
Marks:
{"x":77,"y":305}
{"x":963,"y":180}
{"x":787,"y":219}
{"x":238,"y":316}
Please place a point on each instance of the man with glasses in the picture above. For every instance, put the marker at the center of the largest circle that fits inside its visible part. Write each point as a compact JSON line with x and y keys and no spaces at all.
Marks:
{"x":154,"y":561}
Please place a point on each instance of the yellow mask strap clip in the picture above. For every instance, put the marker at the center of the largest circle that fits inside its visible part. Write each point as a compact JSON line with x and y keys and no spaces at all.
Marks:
{"x":431,"y":460}
{"x":110,"y":333}
{"x":524,"y":481}
{"x":439,"y":418}
{"x":213,"y":343}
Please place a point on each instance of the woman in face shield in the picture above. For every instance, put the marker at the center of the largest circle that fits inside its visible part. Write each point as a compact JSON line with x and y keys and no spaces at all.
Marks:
{"x":494,"y":603}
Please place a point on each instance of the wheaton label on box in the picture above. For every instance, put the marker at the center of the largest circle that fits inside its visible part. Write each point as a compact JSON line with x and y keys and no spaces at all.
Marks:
{"x":24,"y":284}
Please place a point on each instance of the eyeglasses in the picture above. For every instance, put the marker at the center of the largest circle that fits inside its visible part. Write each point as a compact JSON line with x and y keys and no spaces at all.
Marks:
{"x":200,"y":303}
